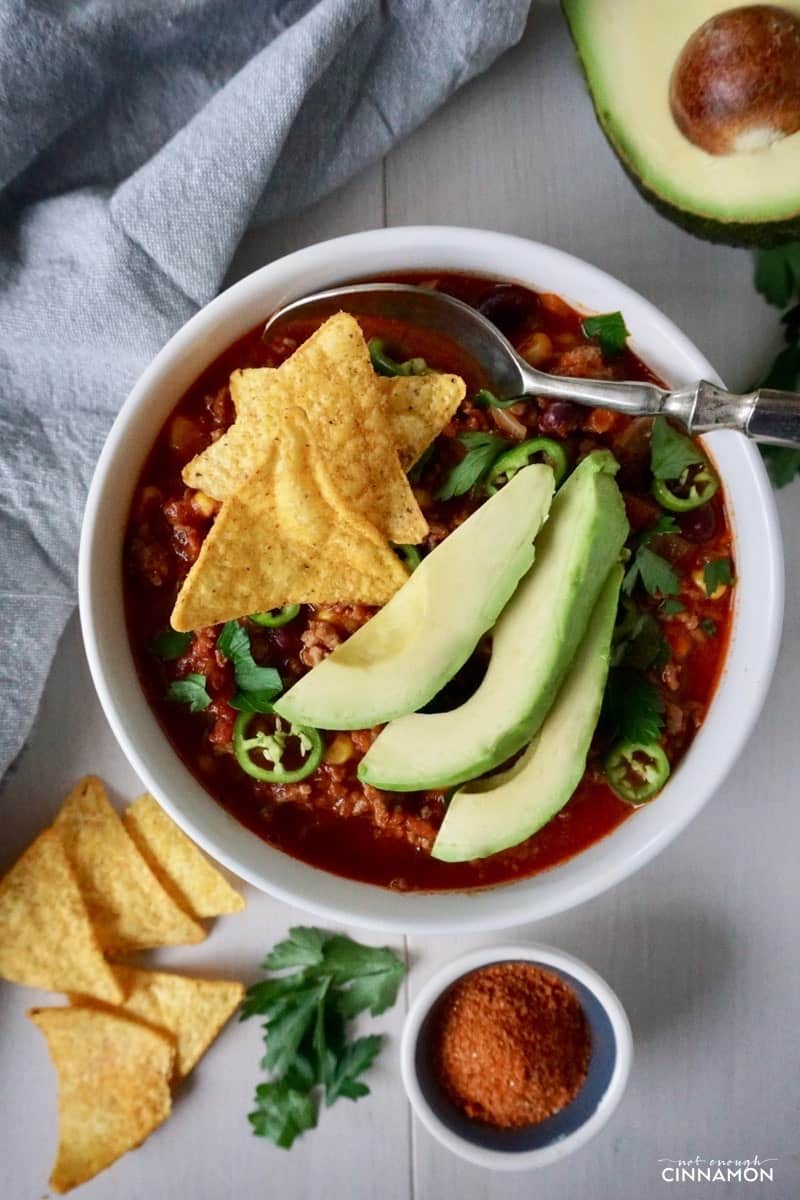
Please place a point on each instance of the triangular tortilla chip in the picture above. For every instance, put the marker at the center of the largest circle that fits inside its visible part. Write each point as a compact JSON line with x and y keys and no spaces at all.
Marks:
{"x":192,"y":1011}
{"x":46,"y":937}
{"x":330,"y":377}
{"x":286,"y":537}
{"x":128,"y":906}
{"x":419,"y":407}
{"x":113,"y":1087}
{"x":183,"y":870}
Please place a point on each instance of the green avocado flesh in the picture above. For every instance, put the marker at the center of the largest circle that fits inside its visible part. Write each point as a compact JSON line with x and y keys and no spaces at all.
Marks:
{"x":533,"y":645}
{"x":628,"y":49}
{"x":410,"y":649}
{"x":492,"y":814}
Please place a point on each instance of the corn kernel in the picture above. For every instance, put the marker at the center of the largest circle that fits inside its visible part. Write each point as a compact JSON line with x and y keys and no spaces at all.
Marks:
{"x":204,"y":504}
{"x":181,"y":433}
{"x":698,"y":578}
{"x":536,"y":349}
{"x":340,"y":751}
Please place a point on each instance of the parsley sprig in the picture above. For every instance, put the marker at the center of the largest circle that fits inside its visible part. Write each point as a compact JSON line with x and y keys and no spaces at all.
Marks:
{"x":654,"y":572}
{"x":633,"y":710}
{"x":257,"y":686}
{"x":307,"y":1049}
{"x":671,"y":453}
{"x":777,"y":277}
{"x":610,"y":330}
{"x":483,"y":449}
{"x":190,"y":690}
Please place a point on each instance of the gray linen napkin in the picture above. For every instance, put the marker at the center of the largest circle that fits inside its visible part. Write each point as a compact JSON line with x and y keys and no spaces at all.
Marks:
{"x":138,"y":140}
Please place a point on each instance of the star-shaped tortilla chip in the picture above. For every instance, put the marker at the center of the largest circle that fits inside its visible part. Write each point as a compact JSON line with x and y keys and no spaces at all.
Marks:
{"x":46,"y":936}
{"x":180,"y":867}
{"x":129,"y":908}
{"x":330,"y":377}
{"x":286,"y":537}
{"x":113,"y":1086}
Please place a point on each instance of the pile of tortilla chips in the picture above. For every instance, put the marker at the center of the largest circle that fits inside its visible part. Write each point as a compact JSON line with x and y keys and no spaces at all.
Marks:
{"x":311,"y":476}
{"x":93,"y":888}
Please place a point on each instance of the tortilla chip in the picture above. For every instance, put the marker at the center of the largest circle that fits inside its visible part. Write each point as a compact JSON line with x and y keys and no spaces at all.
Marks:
{"x":419,"y":407}
{"x":286,"y":537}
{"x":113,"y":1087}
{"x":181,"y":869}
{"x":46,"y":937}
{"x":127,"y":905}
{"x":192,"y":1011}
{"x":330,"y":377}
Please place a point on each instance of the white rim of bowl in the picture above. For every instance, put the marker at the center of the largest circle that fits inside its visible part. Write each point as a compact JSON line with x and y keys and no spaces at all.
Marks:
{"x":542,"y":955}
{"x":416,"y":247}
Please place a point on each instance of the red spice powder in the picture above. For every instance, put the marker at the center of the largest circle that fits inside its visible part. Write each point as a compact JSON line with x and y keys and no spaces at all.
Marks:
{"x":512,"y":1044}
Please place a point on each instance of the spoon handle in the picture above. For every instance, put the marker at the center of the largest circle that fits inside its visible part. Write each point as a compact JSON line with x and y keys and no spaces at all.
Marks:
{"x":766,"y":415}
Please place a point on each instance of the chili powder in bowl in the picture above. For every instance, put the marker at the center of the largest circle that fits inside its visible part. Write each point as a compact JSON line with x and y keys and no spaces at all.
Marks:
{"x":515,"y":1056}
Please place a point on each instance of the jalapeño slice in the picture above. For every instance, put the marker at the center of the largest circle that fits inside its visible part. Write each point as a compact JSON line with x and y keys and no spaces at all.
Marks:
{"x":272,"y":747}
{"x":275,"y":617}
{"x":507,"y":465}
{"x":694,"y":488}
{"x":637,"y":770}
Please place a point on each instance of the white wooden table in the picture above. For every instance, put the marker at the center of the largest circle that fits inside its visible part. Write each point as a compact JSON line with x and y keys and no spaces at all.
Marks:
{"x":701,"y":945}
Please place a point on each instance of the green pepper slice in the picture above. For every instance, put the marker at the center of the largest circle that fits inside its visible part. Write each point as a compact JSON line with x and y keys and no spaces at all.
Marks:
{"x":274,"y":744}
{"x":410,"y":555}
{"x":384,"y":364}
{"x":637,"y":770}
{"x":692,"y":490}
{"x":507,"y":465}
{"x":275,"y":617}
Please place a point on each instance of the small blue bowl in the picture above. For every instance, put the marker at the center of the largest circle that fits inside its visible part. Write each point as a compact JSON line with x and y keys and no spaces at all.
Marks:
{"x":557,"y":1136}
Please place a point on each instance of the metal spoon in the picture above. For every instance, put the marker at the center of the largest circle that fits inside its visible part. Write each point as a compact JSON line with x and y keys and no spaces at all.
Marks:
{"x":765,"y":415}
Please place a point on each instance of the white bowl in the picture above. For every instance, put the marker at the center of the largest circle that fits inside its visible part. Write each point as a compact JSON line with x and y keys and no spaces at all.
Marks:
{"x":558,"y":1136}
{"x":739,"y":696}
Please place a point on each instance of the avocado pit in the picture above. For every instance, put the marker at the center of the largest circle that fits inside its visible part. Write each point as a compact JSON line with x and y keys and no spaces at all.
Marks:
{"x":735,"y":87}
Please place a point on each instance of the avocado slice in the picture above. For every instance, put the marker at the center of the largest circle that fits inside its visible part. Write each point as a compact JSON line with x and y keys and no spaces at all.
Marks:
{"x":533,"y":645}
{"x":490,"y":815}
{"x":628,"y":50}
{"x":410,"y":649}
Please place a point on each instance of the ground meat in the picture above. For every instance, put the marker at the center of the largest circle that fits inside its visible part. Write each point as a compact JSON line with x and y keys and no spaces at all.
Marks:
{"x":150,"y":559}
{"x":188,"y":529}
{"x":220,"y":408}
{"x":203,"y":658}
{"x":319,"y":639}
{"x":583,"y":362}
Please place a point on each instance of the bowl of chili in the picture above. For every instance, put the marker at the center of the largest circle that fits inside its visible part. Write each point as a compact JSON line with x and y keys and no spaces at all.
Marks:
{"x":377,"y":871}
{"x":515,"y":1056}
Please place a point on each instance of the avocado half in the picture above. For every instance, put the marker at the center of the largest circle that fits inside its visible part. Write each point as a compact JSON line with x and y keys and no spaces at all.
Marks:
{"x":627,"y":50}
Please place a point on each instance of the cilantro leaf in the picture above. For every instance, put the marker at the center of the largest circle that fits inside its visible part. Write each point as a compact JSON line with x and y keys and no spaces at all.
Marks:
{"x":778,"y":273}
{"x":670,"y":607}
{"x":709,"y":627}
{"x":268,"y":996}
{"x":632,"y":707}
{"x":657,"y":576}
{"x":482,"y":451}
{"x":258,"y":686}
{"x":170,"y":645}
{"x":303,"y":948}
{"x":356,"y":1057}
{"x":609,"y":329}
{"x":282,"y":1113}
{"x":671,"y":452}
{"x":190,"y":690}
{"x":783,"y":462}
{"x":717,"y":573}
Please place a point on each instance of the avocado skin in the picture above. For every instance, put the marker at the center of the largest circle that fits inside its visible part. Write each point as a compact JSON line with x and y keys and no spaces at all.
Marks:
{"x":754,"y":234}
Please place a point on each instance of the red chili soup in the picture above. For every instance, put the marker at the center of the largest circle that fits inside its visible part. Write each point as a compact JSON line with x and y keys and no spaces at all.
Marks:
{"x":676,"y":646}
